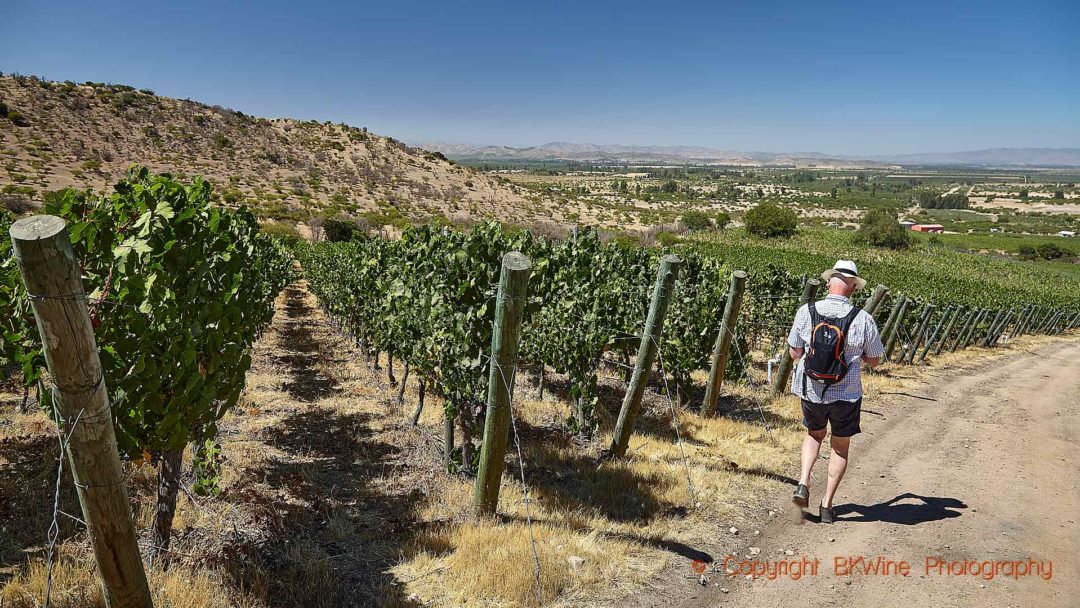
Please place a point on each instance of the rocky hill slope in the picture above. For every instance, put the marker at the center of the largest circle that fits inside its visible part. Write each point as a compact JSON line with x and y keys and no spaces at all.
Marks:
{"x":55,"y":135}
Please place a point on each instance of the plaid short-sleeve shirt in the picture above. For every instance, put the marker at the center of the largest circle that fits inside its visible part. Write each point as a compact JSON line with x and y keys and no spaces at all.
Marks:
{"x":862,"y":339}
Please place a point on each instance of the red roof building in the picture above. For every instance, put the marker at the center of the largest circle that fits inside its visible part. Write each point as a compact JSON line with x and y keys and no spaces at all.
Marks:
{"x":928,"y":228}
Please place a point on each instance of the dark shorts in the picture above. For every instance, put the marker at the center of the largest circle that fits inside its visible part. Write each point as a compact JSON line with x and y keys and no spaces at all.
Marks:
{"x":842,"y":416}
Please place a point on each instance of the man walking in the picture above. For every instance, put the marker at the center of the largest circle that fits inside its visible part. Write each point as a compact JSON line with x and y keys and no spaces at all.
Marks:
{"x":836,"y":338}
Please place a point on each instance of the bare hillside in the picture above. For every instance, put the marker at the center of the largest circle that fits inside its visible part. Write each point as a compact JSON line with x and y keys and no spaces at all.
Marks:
{"x":55,"y":135}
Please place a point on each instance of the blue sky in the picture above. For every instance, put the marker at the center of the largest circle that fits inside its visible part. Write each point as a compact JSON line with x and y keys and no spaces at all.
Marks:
{"x":857,"y":77}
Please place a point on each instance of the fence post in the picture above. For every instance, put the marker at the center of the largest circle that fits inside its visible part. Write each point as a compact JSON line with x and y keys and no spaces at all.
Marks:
{"x":876,"y":300}
{"x":783,"y":372}
{"x":509,"y":311}
{"x":934,"y":335}
{"x":887,"y":327}
{"x":985,"y":341}
{"x":722,"y":348}
{"x":894,"y":329}
{"x":1051,"y":329}
{"x":650,"y":337}
{"x":1073,"y":321}
{"x":924,"y":321}
{"x":53,"y":281}
{"x":1010,"y":319}
{"x":948,"y":330}
{"x":969,"y":341}
{"x":1045,"y":321}
{"x":1000,"y":329}
{"x":968,"y":324}
{"x":1019,"y":327}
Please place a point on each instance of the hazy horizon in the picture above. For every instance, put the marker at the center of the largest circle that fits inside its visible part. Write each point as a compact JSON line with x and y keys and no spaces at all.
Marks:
{"x":869,"y":80}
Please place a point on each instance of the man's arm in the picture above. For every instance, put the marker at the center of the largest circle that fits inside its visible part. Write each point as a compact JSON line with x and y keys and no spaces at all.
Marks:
{"x":795,"y":341}
{"x":872,"y":347}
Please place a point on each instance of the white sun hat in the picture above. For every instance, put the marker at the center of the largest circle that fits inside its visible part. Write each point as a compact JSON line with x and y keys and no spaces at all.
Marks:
{"x":846,"y":269}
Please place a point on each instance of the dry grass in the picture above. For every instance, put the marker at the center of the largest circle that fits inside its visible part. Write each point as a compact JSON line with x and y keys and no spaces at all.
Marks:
{"x":333,"y":499}
{"x":75,"y":585}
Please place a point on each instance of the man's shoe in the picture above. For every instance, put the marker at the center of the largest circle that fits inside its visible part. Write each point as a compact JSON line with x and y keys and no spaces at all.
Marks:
{"x":801,"y":497}
{"x":826,"y":514}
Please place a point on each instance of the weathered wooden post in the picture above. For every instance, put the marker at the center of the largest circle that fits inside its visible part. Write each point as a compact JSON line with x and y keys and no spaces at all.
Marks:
{"x":1051,"y":318}
{"x":53,"y":281}
{"x":1000,"y":329}
{"x":1045,"y":321}
{"x":783,"y":371}
{"x":1032,"y":324}
{"x":887,"y":327}
{"x":894,"y":329}
{"x":985,"y":341}
{"x":509,"y":311}
{"x":971,"y":337}
{"x":962,"y":334}
{"x":876,"y":299}
{"x":959,"y":312}
{"x":722,"y":348}
{"x":934,"y":334}
{"x":1051,"y":328}
{"x":650,"y":338}
{"x":924,"y":321}
{"x":1074,"y":321}
{"x":1020,"y":321}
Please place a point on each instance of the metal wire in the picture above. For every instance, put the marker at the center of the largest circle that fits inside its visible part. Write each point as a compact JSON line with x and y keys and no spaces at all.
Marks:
{"x":521,"y":469}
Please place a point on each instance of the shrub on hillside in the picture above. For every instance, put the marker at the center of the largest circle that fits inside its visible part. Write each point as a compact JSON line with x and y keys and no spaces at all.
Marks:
{"x":880,"y":228}
{"x":340,"y":231}
{"x":696,"y":220}
{"x":17,"y":204}
{"x":1050,"y":251}
{"x":721,"y":220}
{"x":769,"y":220}
{"x":282,"y":230}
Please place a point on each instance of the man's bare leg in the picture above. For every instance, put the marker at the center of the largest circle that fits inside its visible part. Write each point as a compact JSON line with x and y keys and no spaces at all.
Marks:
{"x":811,"y":446}
{"x":837,"y":465}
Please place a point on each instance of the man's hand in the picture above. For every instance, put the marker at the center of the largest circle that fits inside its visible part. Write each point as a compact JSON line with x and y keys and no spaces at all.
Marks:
{"x":796,"y":353}
{"x":871,"y":361}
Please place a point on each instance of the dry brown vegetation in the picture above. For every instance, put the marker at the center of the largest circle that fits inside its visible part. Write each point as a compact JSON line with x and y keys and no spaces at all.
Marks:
{"x":332,"y":498}
{"x":60,"y":135}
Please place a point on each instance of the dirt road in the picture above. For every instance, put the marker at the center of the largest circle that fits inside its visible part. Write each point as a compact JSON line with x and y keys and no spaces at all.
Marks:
{"x":983,"y":467}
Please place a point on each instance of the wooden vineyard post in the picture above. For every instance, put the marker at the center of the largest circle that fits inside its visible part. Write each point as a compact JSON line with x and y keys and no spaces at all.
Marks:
{"x":935,"y":334}
{"x":1050,"y":321}
{"x":1038,"y":321}
{"x":650,"y":337}
{"x":783,"y":372}
{"x":1051,"y":329}
{"x":997,"y":330}
{"x":924,"y":321}
{"x":1073,"y":321}
{"x":1019,"y":326}
{"x":1033,"y":323}
{"x":969,"y":340}
{"x":894,"y":329}
{"x":722,"y":348}
{"x":53,"y":281}
{"x":876,"y":300}
{"x":886,"y":329}
{"x":948,"y":330}
{"x":962,"y":334}
{"x":985,"y":341}
{"x":509,"y":311}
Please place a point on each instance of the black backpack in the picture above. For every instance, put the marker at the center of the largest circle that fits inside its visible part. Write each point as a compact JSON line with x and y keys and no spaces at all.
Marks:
{"x":824,"y":360}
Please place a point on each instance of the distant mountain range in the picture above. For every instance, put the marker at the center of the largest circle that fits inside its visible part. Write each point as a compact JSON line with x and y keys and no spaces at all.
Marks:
{"x":567,"y":151}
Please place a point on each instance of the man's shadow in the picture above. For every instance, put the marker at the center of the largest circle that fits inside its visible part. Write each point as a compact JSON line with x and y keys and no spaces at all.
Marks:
{"x":932,"y":508}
